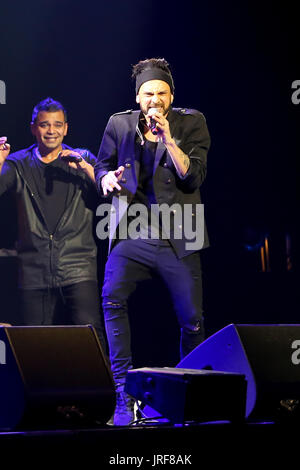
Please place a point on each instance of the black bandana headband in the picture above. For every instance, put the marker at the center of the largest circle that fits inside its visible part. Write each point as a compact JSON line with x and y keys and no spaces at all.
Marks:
{"x":154,"y":74}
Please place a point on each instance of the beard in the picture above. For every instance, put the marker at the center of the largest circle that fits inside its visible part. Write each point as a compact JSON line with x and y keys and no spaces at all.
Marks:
{"x":164,"y":110}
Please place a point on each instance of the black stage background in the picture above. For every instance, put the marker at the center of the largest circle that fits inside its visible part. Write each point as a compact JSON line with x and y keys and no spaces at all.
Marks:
{"x":234,"y":61}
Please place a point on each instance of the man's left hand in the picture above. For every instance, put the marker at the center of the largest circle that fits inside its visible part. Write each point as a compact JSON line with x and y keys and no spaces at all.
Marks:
{"x":163,"y":128}
{"x":80,"y":165}
{"x":180,"y":159}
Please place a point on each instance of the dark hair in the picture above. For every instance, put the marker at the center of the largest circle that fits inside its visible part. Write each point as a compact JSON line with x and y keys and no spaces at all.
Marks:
{"x":152,"y":69}
{"x":148,"y":64}
{"x":48,"y":105}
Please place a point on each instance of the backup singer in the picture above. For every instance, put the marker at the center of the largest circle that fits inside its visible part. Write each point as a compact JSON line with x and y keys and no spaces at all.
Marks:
{"x":56,"y":202}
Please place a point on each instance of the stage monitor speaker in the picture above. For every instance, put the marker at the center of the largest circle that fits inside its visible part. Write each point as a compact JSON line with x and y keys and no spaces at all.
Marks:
{"x":53,"y":377}
{"x":267,"y":355}
{"x":182,"y":395}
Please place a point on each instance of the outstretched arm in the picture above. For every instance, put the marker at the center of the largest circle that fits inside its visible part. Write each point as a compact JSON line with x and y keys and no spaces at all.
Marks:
{"x":4,"y":151}
{"x":110,"y":181}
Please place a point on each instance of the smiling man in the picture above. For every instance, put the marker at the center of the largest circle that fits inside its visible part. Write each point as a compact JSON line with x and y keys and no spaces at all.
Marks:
{"x":153,"y":159}
{"x":56,"y":199}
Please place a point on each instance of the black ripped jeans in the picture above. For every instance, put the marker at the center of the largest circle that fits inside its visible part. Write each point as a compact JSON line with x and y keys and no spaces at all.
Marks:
{"x":131,"y":261}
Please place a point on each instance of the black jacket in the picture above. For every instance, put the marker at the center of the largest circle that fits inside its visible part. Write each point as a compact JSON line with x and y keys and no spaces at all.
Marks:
{"x":121,"y":145}
{"x":69,"y":254}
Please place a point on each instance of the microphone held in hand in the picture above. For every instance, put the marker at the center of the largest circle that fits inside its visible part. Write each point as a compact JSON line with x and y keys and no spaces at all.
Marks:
{"x":71,"y":158}
{"x":152,"y":122}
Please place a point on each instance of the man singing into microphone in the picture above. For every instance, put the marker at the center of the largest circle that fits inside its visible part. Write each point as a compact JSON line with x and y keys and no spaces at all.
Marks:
{"x":56,"y":201}
{"x":155,"y":157}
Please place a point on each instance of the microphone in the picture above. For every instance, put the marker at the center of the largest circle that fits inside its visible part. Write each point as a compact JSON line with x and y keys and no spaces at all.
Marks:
{"x":70,"y":158}
{"x":152,"y":123}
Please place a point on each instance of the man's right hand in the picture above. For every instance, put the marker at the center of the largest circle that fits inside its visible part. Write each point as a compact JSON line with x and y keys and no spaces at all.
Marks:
{"x":4,"y":149}
{"x":109,"y":182}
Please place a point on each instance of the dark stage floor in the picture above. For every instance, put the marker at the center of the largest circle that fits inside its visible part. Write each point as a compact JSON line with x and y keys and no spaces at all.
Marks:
{"x":217,"y":443}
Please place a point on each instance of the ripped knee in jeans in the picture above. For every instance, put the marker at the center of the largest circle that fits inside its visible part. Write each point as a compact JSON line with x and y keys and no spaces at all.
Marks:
{"x":193,"y":328}
{"x":114,"y":309}
{"x":111,"y":304}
